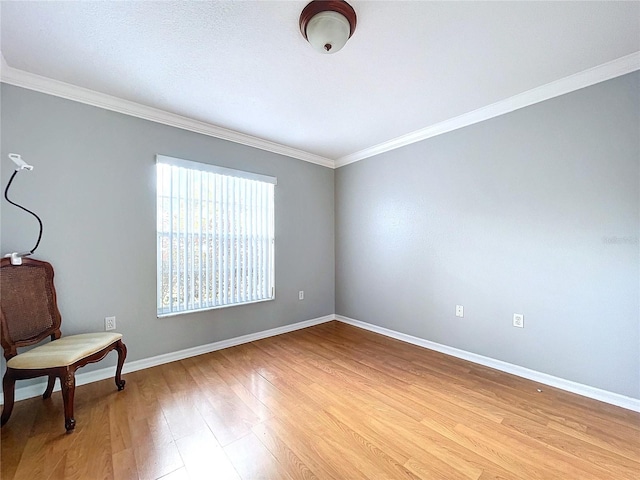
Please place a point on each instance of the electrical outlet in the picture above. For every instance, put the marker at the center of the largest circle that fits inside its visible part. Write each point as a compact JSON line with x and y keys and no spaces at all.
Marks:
{"x":301,"y":295}
{"x":518,"y":320}
{"x":110,"y":323}
{"x":459,"y":311}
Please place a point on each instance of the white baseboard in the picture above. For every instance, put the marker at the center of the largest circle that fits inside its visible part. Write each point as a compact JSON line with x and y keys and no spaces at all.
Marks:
{"x":108,"y":372}
{"x":585,"y":390}
{"x":546,"y":379}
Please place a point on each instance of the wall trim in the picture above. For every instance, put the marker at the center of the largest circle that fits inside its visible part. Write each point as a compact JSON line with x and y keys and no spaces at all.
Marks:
{"x":606,"y":71}
{"x":612,"y":398}
{"x":31,"y":81}
{"x":108,"y":372}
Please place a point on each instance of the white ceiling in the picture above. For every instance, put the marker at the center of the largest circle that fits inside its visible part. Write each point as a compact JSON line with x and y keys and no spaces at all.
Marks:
{"x":244,"y":66}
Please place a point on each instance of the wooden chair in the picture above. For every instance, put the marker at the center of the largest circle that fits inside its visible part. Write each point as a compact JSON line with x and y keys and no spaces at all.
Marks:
{"x":28,"y":314}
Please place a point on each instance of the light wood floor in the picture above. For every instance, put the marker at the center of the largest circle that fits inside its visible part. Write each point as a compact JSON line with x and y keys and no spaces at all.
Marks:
{"x":327,"y":402}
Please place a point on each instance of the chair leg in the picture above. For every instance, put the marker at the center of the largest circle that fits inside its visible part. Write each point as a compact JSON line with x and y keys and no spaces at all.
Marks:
{"x":50,"y":385}
{"x":8,"y":386}
{"x":122,"y":354}
{"x":68,"y":384}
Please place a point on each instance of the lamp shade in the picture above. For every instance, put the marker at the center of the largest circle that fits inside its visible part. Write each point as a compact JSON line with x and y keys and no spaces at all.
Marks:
{"x":328,"y":32}
{"x":327,"y":25}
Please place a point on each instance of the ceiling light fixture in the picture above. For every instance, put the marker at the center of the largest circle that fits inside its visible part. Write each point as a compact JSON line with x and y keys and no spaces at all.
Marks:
{"x":328,"y":24}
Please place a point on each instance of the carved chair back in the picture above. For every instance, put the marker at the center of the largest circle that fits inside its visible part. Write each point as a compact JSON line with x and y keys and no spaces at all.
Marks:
{"x":28,"y":309}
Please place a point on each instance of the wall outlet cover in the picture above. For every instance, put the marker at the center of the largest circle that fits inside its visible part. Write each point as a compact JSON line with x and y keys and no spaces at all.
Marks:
{"x":518,"y":320}
{"x":110,"y":323}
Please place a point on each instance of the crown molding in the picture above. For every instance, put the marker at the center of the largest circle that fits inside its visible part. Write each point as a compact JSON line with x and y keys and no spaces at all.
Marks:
{"x":31,"y":81}
{"x":586,"y":78}
{"x":606,"y":71}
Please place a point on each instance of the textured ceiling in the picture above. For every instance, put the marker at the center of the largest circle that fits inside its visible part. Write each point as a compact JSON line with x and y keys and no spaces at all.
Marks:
{"x":243,"y":65}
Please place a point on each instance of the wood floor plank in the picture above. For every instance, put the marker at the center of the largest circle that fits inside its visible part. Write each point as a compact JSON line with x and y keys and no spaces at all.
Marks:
{"x":204,"y":458}
{"x":15,"y":436}
{"x":374,"y":454}
{"x":629,"y":449}
{"x":124,"y":465}
{"x":328,"y":402}
{"x":34,"y":453}
{"x":179,"y":474}
{"x":312,"y":441}
{"x":389,"y":428}
{"x":607,"y":459}
{"x":253,"y":460}
{"x":154,"y":449}
{"x":293,"y":464}
{"x":296,"y":441}
{"x":353,"y":418}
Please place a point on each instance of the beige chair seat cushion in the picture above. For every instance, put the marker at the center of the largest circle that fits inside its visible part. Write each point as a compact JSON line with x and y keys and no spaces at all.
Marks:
{"x":64,"y":351}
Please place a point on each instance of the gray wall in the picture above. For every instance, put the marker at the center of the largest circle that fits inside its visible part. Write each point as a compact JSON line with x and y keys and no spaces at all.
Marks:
{"x":534,"y":212}
{"x":94,"y":187}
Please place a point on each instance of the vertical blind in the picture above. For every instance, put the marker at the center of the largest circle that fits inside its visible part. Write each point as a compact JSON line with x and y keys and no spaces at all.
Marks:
{"x":215,"y":230}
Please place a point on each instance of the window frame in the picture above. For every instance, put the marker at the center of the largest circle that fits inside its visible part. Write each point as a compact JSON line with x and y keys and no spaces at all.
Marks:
{"x":269,"y":229}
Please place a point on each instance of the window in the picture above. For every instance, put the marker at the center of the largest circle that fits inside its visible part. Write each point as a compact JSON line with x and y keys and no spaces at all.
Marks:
{"x":215,"y":230}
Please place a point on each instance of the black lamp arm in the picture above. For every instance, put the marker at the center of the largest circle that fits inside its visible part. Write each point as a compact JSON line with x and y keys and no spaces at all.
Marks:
{"x":6,"y":193}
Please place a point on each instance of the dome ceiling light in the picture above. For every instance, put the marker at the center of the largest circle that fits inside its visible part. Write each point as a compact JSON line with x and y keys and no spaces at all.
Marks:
{"x":327,"y":24}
